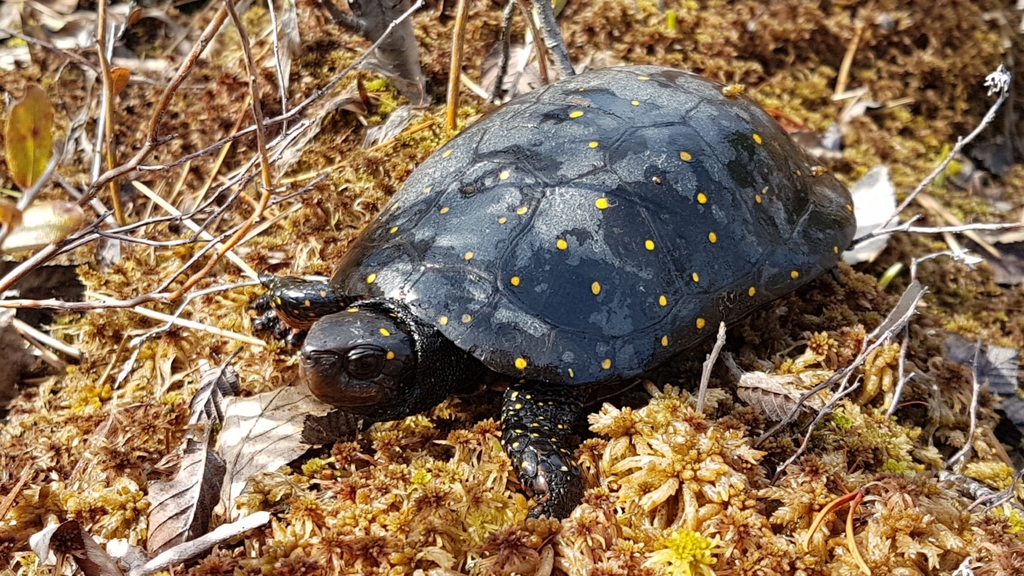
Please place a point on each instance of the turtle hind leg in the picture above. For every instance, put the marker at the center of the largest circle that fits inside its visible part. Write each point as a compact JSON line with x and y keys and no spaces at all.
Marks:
{"x":537,"y":420}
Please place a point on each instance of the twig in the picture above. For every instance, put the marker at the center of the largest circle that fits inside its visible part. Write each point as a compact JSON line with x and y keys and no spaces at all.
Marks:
{"x":709,"y":363}
{"x":552,"y":37}
{"x":902,"y":377}
{"x":254,"y":96}
{"x":454,"y":69}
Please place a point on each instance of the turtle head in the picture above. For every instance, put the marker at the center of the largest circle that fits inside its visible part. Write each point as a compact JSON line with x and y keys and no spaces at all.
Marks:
{"x":363,"y":360}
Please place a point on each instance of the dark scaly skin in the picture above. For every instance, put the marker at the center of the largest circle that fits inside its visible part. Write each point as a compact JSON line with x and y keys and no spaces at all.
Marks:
{"x":537,"y":422}
{"x":291,"y":305}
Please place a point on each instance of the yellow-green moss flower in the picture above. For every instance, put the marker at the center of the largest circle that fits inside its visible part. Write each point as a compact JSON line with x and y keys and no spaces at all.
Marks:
{"x":686,"y":553}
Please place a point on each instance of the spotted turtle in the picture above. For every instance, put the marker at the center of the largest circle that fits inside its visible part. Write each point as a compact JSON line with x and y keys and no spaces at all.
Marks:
{"x":580,"y":235}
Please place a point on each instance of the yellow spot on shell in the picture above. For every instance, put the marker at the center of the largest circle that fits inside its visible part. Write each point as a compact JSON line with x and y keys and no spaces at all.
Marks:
{"x":606,"y":363}
{"x":521,"y":363}
{"x":696,"y":277}
{"x":466,"y":318}
{"x":469,"y":255}
{"x":635,"y":102}
{"x":427,"y":189}
{"x":601,"y":203}
{"x":443,"y":320}
{"x":794,"y":274}
{"x":446,"y":153}
{"x":649,"y":244}
{"x":849,"y":207}
{"x":444,"y":210}
{"x":384,"y":332}
{"x":664,"y":340}
{"x":352,"y":309}
{"x":514,"y":281}
{"x":835,"y":249}
{"x":700,"y":323}
{"x":306,"y":303}
{"x":702,"y":198}
{"x":685,"y":156}
{"x":712,"y":237}
{"x":503,"y":175}
{"x":562,"y":244}
{"x":371,"y":278}
{"x":393,"y":230}
{"x":390,"y":355}
{"x":522,"y":210}
{"x":576,"y":114}
{"x":757,"y":198}
{"x":641,"y":78}
{"x":595,"y":288}
{"x":663,"y":300}
{"x":502,"y":220}
{"x":571,"y":373}
{"x":751,"y":291}
{"x":594,"y":144}
{"x":757,"y":137}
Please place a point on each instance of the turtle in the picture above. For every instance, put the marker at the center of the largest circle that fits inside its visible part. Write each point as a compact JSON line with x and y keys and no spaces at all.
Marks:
{"x":573,"y":240}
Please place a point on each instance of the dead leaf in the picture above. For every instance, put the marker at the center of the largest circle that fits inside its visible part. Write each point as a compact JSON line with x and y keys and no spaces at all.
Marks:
{"x":201,"y":545}
{"x":775,"y":395}
{"x":397,"y":121}
{"x":181,"y":508}
{"x":262,"y":433}
{"x":70,"y":541}
{"x":28,"y":137}
{"x":119,"y":77}
{"x":874,"y":201}
{"x":42,"y":224}
{"x":997,"y":366}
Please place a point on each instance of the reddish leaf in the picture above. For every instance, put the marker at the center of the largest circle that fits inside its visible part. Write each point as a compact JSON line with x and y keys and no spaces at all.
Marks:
{"x":29,"y":137}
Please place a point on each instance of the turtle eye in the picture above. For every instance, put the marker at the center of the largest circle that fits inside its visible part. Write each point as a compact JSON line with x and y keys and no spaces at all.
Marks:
{"x":364,"y":362}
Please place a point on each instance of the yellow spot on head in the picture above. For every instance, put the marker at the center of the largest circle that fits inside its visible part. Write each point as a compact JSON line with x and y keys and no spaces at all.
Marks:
{"x":849,"y":207}
{"x":514,"y":281}
{"x":306,"y":304}
{"x":594,"y":144}
{"x":576,"y":114}
{"x":562,"y":244}
{"x":700,"y":323}
{"x":393,"y":230}
{"x":446,"y":153}
{"x":685,"y":156}
{"x":466,"y":318}
{"x":521,"y":363}
{"x":606,"y":363}
{"x":384,"y":332}
{"x":469,"y":255}
{"x":635,"y":102}
{"x":712,"y":237}
{"x":444,"y":210}
{"x":595,"y":288}
{"x":794,"y":274}
{"x":522,"y":210}
{"x":696,"y":277}
{"x":601,"y":203}
{"x":443,"y":320}
{"x":751,"y":291}
{"x":702,"y":198}
{"x":664,"y":340}
{"x":649,"y":244}
{"x":371,"y":278}
{"x":757,"y":137}
{"x":390,"y":355}
{"x":663,"y":300}
{"x":835,"y":249}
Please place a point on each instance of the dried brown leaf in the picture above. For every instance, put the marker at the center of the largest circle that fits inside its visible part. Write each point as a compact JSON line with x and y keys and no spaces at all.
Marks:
{"x":42,"y":224}
{"x":70,"y":541}
{"x":775,"y":395}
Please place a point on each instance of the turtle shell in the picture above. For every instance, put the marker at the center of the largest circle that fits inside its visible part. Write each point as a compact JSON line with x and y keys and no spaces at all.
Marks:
{"x":591,"y":229}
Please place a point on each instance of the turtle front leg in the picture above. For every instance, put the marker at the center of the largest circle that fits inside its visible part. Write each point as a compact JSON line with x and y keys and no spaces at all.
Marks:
{"x":537,"y":421}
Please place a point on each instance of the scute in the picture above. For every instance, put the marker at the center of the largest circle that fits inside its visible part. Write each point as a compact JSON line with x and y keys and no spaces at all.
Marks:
{"x":589,"y":230}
